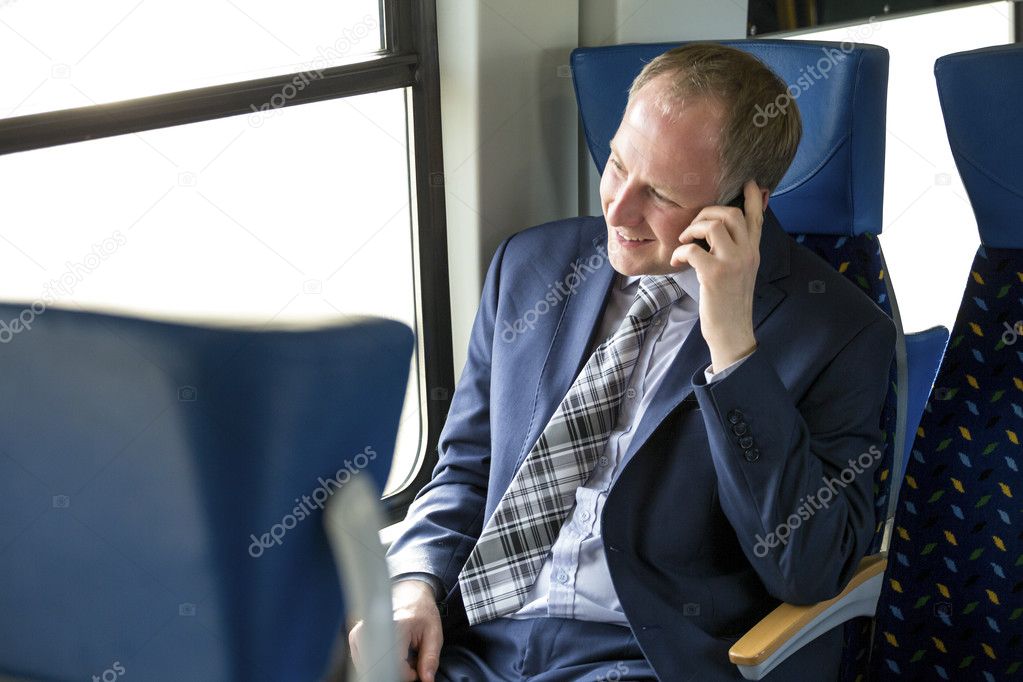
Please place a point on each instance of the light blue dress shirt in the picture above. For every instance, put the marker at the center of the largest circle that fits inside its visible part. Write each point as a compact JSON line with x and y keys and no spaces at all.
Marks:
{"x":574,"y":581}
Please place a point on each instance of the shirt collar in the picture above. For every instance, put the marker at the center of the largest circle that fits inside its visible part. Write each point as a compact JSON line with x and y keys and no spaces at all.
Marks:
{"x":686,"y":278}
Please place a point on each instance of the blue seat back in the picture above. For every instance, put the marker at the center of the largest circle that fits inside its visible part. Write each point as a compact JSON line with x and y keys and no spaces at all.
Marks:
{"x":923,"y":354}
{"x":836,"y":181}
{"x":830,"y":199}
{"x":952,"y":606}
{"x":160,"y":487}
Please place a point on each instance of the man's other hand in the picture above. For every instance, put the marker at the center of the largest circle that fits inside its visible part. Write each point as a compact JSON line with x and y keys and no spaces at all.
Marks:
{"x":419,"y":634}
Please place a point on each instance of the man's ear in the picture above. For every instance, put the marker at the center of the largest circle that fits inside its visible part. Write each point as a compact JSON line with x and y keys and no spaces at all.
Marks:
{"x":765,"y":195}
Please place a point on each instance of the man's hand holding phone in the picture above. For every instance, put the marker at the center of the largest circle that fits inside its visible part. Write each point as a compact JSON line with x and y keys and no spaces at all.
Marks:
{"x":727,"y":272}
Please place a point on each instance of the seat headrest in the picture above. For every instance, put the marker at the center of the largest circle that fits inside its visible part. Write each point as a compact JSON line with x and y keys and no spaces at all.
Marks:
{"x":981,"y":94}
{"x":835,"y":184}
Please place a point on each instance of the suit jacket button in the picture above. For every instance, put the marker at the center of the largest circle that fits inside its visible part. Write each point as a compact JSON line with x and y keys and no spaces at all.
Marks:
{"x":752,"y":454}
{"x":734,"y":417}
{"x":740,"y":429}
{"x":746,"y":442}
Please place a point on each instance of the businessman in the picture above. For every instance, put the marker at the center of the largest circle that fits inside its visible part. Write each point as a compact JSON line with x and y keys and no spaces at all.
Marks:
{"x":668,"y":421}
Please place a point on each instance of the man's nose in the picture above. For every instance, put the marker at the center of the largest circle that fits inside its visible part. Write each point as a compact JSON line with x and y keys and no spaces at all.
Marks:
{"x":626,"y":207}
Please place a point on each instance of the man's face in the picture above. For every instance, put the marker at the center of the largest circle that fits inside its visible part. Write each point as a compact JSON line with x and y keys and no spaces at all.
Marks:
{"x":660,"y":174}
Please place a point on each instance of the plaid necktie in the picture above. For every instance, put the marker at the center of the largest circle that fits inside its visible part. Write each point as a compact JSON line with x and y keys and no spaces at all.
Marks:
{"x":513,"y":545}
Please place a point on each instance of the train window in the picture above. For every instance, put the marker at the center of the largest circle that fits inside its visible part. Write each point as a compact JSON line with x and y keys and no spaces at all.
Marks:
{"x":154,"y":48}
{"x":251,"y":181}
{"x":771,"y":16}
{"x":929,"y":231}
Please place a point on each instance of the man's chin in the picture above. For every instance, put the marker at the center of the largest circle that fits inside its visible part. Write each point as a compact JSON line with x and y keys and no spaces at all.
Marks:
{"x":631,"y":267}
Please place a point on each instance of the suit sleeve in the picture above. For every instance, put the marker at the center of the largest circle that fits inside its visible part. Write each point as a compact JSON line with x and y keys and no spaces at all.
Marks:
{"x":446,"y":517}
{"x":796,"y":482}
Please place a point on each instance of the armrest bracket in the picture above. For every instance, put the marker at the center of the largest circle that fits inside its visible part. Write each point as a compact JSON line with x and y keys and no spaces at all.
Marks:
{"x":788,"y":628}
{"x":353,"y":518}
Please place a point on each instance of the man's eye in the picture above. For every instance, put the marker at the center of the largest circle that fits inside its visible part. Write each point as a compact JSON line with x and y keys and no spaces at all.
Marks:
{"x":660,"y":197}
{"x":614,"y":162}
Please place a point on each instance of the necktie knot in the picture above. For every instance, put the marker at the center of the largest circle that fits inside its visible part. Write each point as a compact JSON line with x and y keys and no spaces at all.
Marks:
{"x":655,"y":292}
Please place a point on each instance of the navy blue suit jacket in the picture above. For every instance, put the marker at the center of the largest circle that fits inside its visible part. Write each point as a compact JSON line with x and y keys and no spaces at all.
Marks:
{"x":687,"y":524}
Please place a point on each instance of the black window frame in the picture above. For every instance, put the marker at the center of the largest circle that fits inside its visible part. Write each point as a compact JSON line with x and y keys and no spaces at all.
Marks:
{"x":756,"y":8}
{"x":409,"y":59}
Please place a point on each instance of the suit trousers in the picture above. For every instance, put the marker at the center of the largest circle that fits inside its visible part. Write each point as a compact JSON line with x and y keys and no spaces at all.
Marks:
{"x":543,"y":650}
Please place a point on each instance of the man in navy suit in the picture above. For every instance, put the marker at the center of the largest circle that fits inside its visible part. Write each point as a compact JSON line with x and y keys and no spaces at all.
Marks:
{"x":738,"y":471}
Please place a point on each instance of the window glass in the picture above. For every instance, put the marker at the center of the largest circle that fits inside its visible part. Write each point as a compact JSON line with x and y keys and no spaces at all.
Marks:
{"x":929,"y":232}
{"x":64,"y":53}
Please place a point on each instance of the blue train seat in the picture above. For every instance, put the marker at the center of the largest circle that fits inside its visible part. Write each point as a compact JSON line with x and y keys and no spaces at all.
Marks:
{"x":951,"y":608}
{"x":161,"y":488}
{"x":830,"y":201}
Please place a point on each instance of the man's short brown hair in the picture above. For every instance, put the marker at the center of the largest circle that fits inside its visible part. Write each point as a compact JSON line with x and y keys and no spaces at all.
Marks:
{"x":752,"y":145}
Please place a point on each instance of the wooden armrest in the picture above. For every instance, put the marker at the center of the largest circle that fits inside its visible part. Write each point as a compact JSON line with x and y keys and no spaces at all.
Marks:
{"x":787,"y":628}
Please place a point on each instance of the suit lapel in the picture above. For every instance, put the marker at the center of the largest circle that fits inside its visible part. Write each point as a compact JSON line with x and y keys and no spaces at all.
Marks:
{"x":695,"y":354}
{"x":584,"y":309}
{"x":582,"y":313}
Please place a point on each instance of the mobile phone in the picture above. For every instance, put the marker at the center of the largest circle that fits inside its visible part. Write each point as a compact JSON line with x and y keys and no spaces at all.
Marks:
{"x":739,"y":202}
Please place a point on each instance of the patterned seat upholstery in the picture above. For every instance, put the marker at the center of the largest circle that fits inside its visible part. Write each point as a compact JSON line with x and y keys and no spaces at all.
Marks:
{"x":859,"y":258}
{"x":952,"y":603}
{"x":830,"y":199}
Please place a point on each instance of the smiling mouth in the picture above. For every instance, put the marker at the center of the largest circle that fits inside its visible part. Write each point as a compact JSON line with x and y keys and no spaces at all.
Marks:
{"x":631,"y":240}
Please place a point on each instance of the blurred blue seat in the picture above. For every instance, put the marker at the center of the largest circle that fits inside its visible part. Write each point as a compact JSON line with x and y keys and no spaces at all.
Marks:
{"x":923,"y":354}
{"x":161,"y":485}
{"x":830,"y":201}
{"x":951,"y":606}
